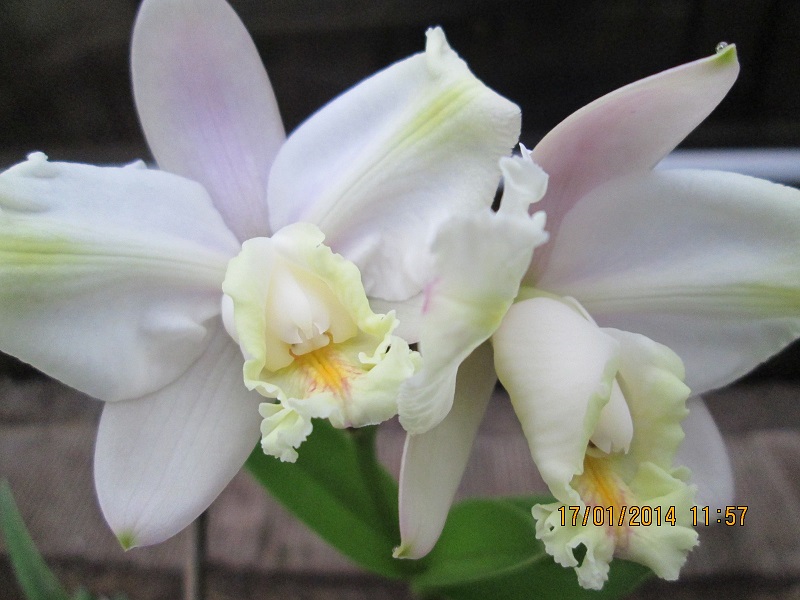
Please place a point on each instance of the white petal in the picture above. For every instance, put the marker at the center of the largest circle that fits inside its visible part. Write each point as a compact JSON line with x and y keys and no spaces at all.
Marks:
{"x":705,"y":262}
{"x":614,"y":429}
{"x":478,"y":261}
{"x":381,"y":167}
{"x":161,"y":460}
{"x":628,"y":130}
{"x":206,"y":104}
{"x":558,"y":368}
{"x":651,"y":377}
{"x":703,"y":451}
{"x":434,"y":462}
{"x":108,"y":276}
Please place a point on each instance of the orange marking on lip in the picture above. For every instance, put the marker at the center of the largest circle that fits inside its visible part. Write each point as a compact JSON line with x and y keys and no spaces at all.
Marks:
{"x":326,"y":369}
{"x":599,"y":485}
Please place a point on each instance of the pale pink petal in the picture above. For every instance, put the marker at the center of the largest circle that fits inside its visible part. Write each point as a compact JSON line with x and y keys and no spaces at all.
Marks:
{"x":161,"y":460}
{"x":433,"y":462}
{"x":631,"y":129}
{"x":206,"y":104}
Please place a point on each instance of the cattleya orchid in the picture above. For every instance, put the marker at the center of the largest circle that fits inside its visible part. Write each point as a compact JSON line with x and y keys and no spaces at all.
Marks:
{"x":703,"y":266}
{"x":238,"y":277}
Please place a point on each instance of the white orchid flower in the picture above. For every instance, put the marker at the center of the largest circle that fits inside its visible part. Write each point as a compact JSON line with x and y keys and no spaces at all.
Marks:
{"x":702,"y":262}
{"x":112,"y":279}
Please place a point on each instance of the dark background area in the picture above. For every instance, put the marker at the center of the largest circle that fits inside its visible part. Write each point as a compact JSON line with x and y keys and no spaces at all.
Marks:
{"x":64,"y":81}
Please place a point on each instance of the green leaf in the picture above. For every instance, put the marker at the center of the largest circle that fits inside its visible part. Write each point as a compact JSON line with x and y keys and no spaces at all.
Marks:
{"x":488,"y":549}
{"x":339,"y":490}
{"x":34,"y":577}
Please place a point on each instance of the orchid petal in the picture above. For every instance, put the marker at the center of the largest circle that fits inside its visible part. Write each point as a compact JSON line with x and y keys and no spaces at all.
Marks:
{"x":206,"y":104}
{"x":161,"y":460}
{"x":651,"y":377}
{"x":703,"y":451}
{"x":382,"y":167}
{"x":105,"y":282}
{"x":541,"y":345}
{"x":614,"y":429}
{"x":478,"y":260}
{"x":704,"y":262}
{"x":631,"y":129}
{"x":433,"y":462}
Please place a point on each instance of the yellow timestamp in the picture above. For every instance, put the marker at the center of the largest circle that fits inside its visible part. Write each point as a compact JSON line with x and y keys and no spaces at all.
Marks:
{"x":730,"y":515}
{"x":645,"y":516}
{"x":631,"y":516}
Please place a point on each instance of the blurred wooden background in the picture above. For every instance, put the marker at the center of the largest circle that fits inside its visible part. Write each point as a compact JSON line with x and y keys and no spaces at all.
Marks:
{"x":64,"y":89}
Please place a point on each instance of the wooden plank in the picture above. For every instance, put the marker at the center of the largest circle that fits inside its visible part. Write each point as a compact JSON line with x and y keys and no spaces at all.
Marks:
{"x":255,"y":542}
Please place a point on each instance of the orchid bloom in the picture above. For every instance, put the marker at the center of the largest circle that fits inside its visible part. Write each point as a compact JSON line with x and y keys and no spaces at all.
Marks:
{"x":703,"y":266}
{"x":236,"y":279}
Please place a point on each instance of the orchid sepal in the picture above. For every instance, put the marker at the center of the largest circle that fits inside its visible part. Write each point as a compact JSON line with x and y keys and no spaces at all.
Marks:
{"x":160,"y":460}
{"x":655,"y":268}
{"x":206,"y":104}
{"x":113,"y":310}
{"x":627,"y":131}
{"x":434,"y":461}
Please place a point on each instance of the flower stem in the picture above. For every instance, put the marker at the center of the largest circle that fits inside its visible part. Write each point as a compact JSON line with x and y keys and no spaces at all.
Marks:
{"x":194,"y":583}
{"x":374,"y":474}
